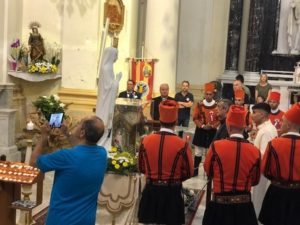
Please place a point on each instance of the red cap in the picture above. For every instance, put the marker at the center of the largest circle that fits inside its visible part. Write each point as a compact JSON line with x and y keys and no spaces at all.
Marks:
{"x":274,"y":96}
{"x":239,"y":94}
{"x":236,"y":116}
{"x":209,"y":87}
{"x":293,"y":114}
{"x":168,"y":111}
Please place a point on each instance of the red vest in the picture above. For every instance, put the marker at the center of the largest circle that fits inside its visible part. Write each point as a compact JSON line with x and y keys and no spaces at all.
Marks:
{"x":276,"y":119}
{"x":234,"y":165}
{"x":164,"y":156}
{"x":281,"y":161}
{"x":204,"y":115}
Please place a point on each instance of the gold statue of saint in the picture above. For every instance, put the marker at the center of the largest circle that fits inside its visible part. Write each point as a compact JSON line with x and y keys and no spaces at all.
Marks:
{"x":36,"y":43}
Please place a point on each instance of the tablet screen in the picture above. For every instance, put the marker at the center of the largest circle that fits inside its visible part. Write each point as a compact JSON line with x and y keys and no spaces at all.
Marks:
{"x":56,"y":119}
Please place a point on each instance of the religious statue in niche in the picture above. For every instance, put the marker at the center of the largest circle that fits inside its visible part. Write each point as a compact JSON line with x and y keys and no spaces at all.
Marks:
{"x":294,"y":27}
{"x":36,"y":43}
{"x":114,"y":10}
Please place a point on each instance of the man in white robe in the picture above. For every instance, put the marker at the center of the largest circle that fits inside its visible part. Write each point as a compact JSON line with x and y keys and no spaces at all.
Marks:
{"x":107,"y":93}
{"x":266,"y":131}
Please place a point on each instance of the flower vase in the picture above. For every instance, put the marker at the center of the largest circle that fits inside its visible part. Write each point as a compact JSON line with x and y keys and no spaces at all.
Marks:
{"x":13,"y":66}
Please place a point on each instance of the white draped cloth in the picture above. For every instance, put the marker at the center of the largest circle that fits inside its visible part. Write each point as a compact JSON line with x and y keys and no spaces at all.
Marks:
{"x":107,"y":92}
{"x":266,"y":132}
{"x":293,"y":29}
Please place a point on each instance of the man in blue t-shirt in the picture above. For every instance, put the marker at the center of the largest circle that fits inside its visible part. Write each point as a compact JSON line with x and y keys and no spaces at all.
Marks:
{"x":79,"y":173}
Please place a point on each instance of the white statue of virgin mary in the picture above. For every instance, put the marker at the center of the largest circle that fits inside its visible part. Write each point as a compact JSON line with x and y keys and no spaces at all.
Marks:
{"x":108,"y":86}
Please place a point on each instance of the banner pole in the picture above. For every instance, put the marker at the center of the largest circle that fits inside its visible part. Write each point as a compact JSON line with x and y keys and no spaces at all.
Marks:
{"x":143,"y":46}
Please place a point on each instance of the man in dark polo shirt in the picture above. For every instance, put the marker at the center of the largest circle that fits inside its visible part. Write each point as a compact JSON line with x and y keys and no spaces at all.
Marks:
{"x":185,"y":100}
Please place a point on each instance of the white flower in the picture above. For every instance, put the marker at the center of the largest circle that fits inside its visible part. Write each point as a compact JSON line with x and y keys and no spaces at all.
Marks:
{"x":56,"y":97}
{"x":61,"y":104}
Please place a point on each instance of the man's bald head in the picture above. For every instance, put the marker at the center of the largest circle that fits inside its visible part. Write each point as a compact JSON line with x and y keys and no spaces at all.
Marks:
{"x":93,"y":128}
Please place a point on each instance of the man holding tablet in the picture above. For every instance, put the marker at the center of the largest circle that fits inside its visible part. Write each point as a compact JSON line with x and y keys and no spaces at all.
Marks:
{"x":79,"y":172}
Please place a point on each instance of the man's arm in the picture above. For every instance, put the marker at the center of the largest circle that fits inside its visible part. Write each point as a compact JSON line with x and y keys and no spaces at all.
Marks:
{"x":41,"y":145}
{"x":186,"y":104}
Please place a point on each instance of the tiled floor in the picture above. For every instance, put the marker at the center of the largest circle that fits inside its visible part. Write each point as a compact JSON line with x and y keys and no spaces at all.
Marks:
{"x":199,"y":183}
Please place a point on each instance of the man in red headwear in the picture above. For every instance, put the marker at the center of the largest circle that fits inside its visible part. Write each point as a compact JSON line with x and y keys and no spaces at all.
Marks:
{"x":166,"y":160}
{"x":234,"y":166}
{"x":281,"y":165}
{"x":275,"y":114}
{"x":239,"y":99}
{"x":206,"y":121}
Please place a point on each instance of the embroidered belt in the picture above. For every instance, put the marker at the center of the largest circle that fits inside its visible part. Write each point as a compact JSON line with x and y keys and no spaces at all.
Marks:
{"x":231,"y":199}
{"x":287,"y":185}
{"x":164,"y":182}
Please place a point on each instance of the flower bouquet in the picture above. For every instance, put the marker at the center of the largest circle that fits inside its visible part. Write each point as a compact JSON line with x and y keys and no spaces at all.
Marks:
{"x":18,"y":57}
{"x":42,"y":67}
{"x":50,"y":61}
{"x":123,"y":163}
{"x":15,"y":49}
{"x":48,"y":105}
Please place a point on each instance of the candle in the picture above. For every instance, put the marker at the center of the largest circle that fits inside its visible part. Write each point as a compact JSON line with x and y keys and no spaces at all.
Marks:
{"x":30,"y":125}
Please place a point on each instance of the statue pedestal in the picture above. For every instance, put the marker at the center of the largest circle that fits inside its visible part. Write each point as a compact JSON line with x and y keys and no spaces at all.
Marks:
{"x":118,"y":198}
{"x":7,"y":138}
{"x":7,"y":124}
{"x":6,"y":93}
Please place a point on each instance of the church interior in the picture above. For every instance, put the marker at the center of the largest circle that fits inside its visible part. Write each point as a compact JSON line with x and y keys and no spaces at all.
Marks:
{"x":57,"y":58}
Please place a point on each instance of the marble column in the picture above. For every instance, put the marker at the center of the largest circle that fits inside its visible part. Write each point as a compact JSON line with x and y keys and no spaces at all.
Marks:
{"x":234,"y":34}
{"x":276,"y":27}
{"x":7,"y":115}
{"x":269,"y":39}
{"x":161,"y":40}
{"x":3,"y":39}
{"x":233,"y":45}
{"x":244,"y":36}
{"x":7,"y":124}
{"x":255,"y":29}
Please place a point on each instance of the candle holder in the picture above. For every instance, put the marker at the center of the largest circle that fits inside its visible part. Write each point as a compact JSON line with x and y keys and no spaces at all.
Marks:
{"x":26,"y":191}
{"x":30,"y":125}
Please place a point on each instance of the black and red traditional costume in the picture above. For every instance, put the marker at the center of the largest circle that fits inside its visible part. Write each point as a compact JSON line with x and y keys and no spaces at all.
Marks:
{"x":234,"y":167}
{"x":281,"y":165}
{"x":166,"y":161}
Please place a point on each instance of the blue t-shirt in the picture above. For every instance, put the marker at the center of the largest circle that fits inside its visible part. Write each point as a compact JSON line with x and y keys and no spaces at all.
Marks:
{"x":79,"y":174}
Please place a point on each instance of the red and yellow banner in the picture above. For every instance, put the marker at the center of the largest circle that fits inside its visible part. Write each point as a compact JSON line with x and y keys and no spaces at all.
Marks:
{"x":142,"y":72}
